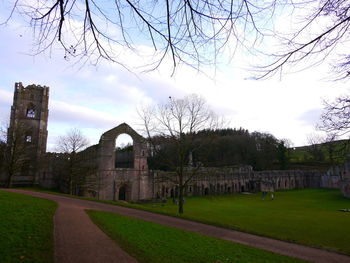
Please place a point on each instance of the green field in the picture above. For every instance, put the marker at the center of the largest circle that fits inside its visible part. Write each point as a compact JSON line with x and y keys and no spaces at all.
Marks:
{"x":26,"y":228}
{"x":305,"y":155}
{"x":153,"y":243}
{"x":308,"y":216}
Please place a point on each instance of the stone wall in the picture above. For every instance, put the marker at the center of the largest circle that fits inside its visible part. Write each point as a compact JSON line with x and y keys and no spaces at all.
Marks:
{"x":116,"y":183}
{"x":338,"y":177}
{"x":139,"y":183}
{"x":212,"y":181}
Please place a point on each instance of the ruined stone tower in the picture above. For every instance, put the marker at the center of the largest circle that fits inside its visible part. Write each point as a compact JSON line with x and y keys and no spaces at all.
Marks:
{"x":29,"y":116}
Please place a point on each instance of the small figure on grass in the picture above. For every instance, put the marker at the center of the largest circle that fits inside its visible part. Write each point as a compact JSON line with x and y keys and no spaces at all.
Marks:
{"x":264,"y":194}
{"x":176,"y":201}
{"x":267,"y":186}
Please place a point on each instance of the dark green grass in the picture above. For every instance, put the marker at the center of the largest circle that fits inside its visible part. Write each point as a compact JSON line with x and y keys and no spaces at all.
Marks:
{"x":153,"y":243}
{"x":26,"y":228}
{"x":308,"y":216}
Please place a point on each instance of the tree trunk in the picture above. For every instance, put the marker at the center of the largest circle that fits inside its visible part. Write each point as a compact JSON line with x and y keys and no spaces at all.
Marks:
{"x":70,"y":187}
{"x":181,"y":196}
{"x":71,"y":174}
{"x":9,"y":180}
{"x":181,"y":200}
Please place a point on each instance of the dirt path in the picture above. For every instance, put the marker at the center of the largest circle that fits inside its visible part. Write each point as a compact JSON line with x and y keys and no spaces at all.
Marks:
{"x":77,"y":238}
{"x":72,"y":226}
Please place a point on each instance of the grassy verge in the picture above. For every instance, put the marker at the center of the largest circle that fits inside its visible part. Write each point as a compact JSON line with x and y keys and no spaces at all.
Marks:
{"x":26,"y":228}
{"x":308,"y":216}
{"x":150,"y":242}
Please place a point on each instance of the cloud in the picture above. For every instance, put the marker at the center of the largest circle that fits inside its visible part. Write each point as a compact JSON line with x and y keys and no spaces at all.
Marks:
{"x":96,"y":99}
{"x":311,"y":117}
{"x":5,"y":105}
{"x":80,"y":115}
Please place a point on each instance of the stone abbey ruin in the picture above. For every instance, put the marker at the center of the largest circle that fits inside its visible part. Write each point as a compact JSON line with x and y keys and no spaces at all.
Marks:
{"x":103,"y":173}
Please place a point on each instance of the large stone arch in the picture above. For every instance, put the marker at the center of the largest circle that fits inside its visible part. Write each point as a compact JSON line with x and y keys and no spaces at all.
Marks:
{"x":107,"y":148}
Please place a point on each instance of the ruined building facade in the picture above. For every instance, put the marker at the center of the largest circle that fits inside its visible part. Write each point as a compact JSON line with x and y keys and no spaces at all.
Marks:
{"x":114,"y":181}
{"x":27,"y":131}
{"x":110,"y":175}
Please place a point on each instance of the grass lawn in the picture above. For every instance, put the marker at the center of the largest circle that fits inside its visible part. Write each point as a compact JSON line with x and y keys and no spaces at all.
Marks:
{"x":308,"y":216}
{"x":26,"y":228}
{"x":153,"y":243}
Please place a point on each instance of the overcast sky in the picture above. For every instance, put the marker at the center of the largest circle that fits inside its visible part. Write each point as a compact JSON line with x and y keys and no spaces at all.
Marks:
{"x":96,"y":99}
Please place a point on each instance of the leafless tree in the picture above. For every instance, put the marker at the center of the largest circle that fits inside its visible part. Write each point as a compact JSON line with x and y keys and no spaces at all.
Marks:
{"x":327,"y":147}
{"x":16,"y":151}
{"x":71,"y":144}
{"x":336,"y":116}
{"x":321,"y":30}
{"x":193,"y":32}
{"x":315,"y":149}
{"x":335,"y":121}
{"x":179,"y":120}
{"x":331,"y":147}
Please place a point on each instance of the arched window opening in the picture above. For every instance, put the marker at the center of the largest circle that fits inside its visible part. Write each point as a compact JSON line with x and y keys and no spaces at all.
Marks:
{"x":122,"y":193}
{"x":242,"y":188}
{"x":30,"y":113}
{"x":29,"y":138}
{"x":124,"y":152}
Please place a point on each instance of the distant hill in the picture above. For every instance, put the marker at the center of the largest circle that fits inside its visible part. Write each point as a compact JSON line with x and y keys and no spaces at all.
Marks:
{"x":320,"y":155}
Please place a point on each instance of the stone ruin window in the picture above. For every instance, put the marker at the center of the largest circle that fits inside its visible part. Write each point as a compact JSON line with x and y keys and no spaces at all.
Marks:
{"x":124,"y":152}
{"x":30,"y":112}
{"x":29,"y":138}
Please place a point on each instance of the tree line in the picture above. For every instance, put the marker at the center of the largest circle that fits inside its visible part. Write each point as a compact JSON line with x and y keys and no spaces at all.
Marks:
{"x":225,"y":147}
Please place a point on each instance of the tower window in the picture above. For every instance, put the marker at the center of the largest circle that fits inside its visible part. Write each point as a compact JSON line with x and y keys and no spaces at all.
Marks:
{"x":28,"y":138}
{"x":31,"y":113}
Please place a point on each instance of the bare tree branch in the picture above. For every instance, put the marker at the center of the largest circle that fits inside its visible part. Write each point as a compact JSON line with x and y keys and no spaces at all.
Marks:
{"x":336,"y":116}
{"x":177,"y":122}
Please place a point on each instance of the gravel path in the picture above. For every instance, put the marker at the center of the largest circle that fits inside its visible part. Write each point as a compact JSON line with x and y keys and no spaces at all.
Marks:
{"x":77,"y":239}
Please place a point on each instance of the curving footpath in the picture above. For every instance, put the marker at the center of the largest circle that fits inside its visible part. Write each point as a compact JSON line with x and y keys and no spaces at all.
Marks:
{"x":77,"y":239}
